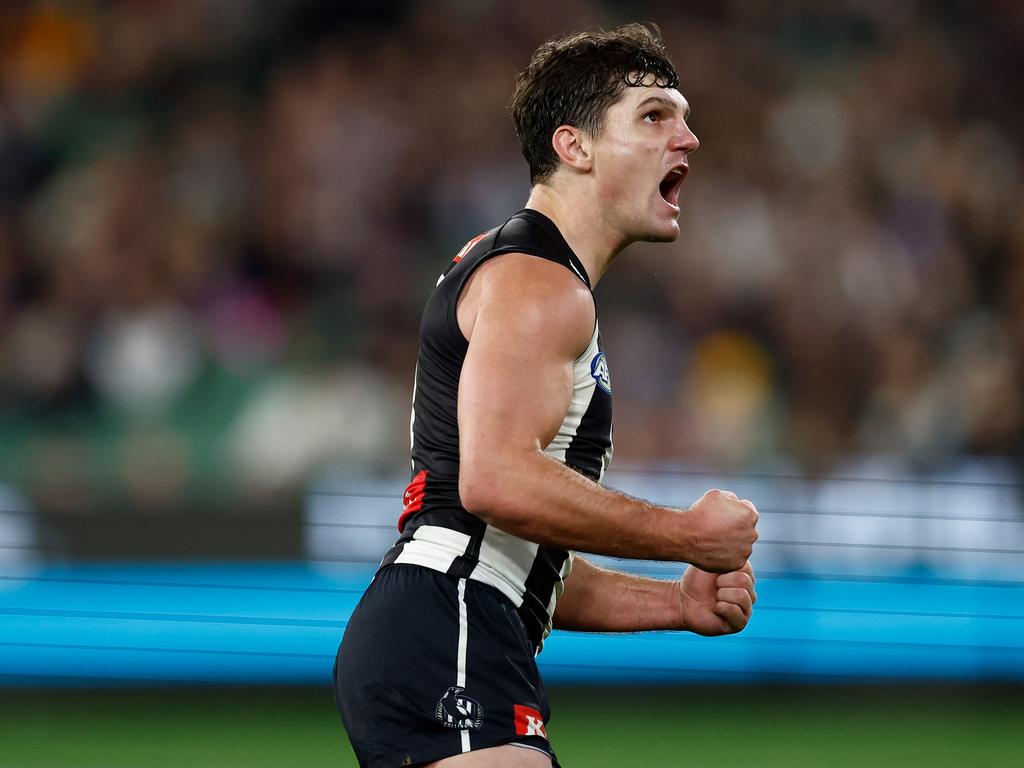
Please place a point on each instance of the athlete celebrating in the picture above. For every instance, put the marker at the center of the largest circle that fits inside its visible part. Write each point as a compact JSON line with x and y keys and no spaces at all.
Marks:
{"x":511,"y":436}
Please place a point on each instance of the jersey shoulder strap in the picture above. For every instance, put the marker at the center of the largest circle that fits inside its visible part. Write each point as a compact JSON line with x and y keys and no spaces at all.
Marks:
{"x":533,"y":233}
{"x":528,"y":232}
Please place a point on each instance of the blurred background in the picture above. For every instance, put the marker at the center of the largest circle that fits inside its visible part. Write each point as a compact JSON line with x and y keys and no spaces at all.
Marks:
{"x":219,"y":220}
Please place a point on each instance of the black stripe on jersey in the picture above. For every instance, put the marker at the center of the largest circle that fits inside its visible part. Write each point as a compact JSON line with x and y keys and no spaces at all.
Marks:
{"x":392,"y":554}
{"x":586,"y":451}
{"x":454,"y":519}
{"x":540,"y":585}
{"x":463,"y":565}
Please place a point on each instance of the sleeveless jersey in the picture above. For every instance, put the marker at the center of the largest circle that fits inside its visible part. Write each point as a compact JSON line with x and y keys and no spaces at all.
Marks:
{"x":436,"y":530}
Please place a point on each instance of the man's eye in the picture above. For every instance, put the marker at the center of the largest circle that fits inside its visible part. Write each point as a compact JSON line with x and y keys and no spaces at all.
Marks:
{"x":651,"y":117}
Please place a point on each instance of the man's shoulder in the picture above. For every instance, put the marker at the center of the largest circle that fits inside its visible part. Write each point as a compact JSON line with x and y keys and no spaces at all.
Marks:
{"x":540,"y":295}
{"x":523,"y":272}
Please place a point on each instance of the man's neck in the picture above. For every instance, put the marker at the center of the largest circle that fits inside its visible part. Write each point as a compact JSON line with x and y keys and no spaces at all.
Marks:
{"x":579,"y":220}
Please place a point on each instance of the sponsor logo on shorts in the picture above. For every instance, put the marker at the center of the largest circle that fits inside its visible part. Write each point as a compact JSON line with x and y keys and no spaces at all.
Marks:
{"x":599,"y":370}
{"x":528,"y":721}
{"x":456,"y":710}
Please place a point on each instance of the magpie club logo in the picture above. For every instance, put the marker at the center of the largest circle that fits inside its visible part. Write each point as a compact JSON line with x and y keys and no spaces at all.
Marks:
{"x":456,"y":710}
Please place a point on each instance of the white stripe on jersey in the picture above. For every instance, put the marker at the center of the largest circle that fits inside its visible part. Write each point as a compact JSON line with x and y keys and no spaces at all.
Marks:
{"x":582,"y":391}
{"x":443,"y":537}
{"x":581,"y":277}
{"x":412,"y":416}
{"x":505,"y":563}
{"x":433,"y":546}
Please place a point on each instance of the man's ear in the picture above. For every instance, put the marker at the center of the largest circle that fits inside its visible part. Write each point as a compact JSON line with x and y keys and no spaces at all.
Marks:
{"x":573,"y":147}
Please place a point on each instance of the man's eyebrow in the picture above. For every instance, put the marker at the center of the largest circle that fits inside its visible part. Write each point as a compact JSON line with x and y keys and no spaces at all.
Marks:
{"x":671,"y":105}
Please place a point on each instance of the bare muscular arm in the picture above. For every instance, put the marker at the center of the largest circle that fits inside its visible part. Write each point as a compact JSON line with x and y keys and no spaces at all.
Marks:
{"x":527,"y":320}
{"x":601,"y":600}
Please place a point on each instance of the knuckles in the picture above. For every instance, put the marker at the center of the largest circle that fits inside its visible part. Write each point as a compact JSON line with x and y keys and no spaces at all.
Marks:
{"x":720,"y":501}
{"x":729,"y":529}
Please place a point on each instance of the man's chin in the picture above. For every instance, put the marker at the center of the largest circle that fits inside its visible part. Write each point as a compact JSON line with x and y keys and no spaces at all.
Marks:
{"x":663,"y":234}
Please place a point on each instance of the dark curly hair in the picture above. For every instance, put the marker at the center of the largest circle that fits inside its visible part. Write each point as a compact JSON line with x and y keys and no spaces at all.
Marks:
{"x":572,"y":80}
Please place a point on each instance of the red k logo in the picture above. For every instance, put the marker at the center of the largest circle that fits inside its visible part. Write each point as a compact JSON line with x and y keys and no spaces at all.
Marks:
{"x":528,"y":722}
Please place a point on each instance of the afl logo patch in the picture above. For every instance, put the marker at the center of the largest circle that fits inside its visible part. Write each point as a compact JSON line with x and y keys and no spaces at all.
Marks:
{"x":599,"y":370}
{"x":455,"y":710}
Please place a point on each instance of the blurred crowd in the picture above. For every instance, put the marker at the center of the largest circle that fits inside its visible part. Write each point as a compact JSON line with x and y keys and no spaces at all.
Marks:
{"x":219,"y":220}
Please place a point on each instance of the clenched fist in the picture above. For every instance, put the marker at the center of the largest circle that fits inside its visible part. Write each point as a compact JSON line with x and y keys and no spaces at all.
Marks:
{"x":723,"y":529}
{"x":716,"y":603}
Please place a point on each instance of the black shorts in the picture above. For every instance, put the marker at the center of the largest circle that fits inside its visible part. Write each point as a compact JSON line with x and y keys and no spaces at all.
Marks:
{"x":432,"y":666}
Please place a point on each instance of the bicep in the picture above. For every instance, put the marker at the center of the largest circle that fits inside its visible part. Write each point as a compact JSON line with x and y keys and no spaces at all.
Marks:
{"x":517,"y":378}
{"x":514,"y":388}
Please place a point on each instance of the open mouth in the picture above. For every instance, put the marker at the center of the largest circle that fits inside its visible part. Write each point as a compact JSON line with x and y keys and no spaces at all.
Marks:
{"x":671,"y":184}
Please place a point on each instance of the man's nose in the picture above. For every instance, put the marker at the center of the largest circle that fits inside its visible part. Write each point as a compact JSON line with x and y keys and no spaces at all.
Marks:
{"x":685,"y":140}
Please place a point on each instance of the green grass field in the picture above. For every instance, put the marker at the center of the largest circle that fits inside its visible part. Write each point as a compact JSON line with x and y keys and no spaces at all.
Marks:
{"x":723,"y":727}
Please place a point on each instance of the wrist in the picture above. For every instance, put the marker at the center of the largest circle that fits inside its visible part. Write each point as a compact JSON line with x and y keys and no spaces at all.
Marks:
{"x":684,"y":535}
{"x":676,"y":607}
{"x":663,"y":607}
{"x":666,"y":534}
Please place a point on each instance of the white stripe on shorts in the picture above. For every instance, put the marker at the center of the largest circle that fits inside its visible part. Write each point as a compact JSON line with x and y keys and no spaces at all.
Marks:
{"x":463,"y":643}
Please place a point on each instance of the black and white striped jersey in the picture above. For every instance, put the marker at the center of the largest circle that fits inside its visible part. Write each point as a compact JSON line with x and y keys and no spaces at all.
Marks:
{"x":436,"y":530}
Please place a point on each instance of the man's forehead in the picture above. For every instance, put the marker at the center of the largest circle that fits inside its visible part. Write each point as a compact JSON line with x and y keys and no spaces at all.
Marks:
{"x":671,"y":98}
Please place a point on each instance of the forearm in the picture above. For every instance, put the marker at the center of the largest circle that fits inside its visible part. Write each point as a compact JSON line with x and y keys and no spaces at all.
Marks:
{"x":600,"y":600}
{"x":538,"y":498}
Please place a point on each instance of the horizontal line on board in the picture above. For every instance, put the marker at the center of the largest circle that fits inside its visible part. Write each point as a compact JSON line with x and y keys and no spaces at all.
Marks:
{"x":825,"y":641}
{"x":766,"y":511}
{"x":912,"y":547}
{"x":141,"y":649}
{"x":840,"y":544}
{"x":815,"y":480}
{"x":876,"y":612}
{"x":170,"y":617}
{"x":184,"y":585}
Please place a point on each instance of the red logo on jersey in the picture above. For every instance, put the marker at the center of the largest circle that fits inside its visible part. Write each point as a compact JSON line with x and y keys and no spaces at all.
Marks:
{"x":528,"y":721}
{"x":412,"y":501}
{"x":467,"y":246}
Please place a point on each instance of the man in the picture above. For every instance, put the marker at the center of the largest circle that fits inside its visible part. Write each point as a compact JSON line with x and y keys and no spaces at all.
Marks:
{"x":512,"y":434}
